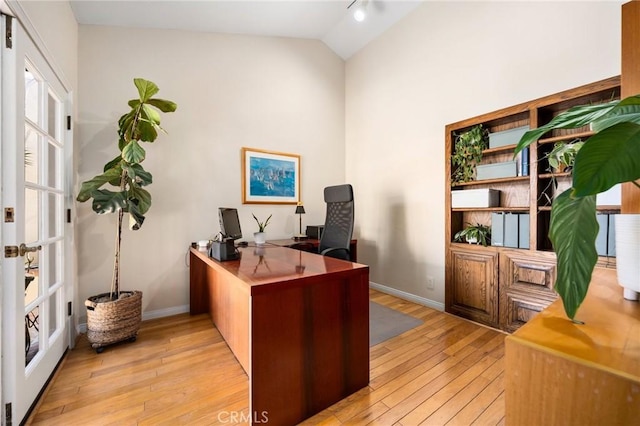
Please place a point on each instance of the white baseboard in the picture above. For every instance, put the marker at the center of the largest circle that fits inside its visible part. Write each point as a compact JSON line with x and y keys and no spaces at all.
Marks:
{"x":408,"y":296}
{"x":159,"y":313}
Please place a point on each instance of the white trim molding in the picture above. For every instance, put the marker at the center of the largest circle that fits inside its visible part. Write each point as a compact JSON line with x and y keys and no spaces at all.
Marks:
{"x":408,"y":296}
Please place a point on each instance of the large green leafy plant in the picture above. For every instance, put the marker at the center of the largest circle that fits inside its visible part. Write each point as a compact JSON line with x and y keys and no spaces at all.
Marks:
{"x":125,"y":171}
{"x":609,"y":157}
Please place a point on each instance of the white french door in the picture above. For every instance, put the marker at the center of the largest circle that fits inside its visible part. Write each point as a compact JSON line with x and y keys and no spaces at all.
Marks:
{"x":34,"y":196}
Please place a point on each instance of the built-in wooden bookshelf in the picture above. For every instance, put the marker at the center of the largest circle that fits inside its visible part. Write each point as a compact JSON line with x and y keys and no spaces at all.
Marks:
{"x":503,"y":286}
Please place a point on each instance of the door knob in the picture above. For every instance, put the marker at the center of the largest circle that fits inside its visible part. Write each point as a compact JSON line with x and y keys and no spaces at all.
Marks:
{"x":24,"y":249}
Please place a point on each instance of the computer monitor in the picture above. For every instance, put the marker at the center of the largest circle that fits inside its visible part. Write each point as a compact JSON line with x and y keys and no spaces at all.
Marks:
{"x":229,"y":223}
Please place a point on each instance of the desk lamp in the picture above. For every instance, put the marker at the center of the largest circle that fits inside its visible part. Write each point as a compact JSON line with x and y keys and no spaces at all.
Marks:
{"x":300,"y":211}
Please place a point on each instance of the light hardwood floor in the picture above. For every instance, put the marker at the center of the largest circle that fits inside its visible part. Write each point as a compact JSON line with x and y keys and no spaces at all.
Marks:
{"x":180,"y":371}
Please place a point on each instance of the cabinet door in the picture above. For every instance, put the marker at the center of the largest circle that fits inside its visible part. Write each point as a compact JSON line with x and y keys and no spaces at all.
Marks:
{"x":473,"y":285}
{"x":526,"y":286}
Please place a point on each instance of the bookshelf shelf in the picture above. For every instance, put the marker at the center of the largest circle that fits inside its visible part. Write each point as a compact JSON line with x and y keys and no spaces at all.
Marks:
{"x":566,"y":137}
{"x":492,"y":181}
{"x":492,"y":209}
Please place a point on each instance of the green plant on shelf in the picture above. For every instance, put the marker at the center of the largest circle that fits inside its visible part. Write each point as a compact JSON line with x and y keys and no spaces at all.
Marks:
{"x":560,"y":160}
{"x":474,"y":234}
{"x":467,"y":153}
{"x":563,"y":155}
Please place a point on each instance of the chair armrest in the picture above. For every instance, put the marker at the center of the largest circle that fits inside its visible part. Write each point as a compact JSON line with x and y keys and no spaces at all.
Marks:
{"x":337,"y":252}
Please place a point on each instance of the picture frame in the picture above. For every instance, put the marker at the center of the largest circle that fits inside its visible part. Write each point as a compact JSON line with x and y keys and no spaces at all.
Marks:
{"x":270,"y":177}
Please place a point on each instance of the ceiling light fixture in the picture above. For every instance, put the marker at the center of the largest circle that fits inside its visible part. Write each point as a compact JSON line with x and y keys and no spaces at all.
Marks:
{"x":360,"y":12}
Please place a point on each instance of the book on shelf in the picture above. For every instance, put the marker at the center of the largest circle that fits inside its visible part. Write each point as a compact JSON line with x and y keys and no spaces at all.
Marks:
{"x":522,"y":162}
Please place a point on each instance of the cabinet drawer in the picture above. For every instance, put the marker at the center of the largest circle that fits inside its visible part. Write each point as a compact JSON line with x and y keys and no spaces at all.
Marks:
{"x":528,"y":272}
{"x":517,"y":308}
{"x":526,"y":286}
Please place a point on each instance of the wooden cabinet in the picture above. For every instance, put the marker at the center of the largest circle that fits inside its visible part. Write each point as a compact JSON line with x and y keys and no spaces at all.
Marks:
{"x":473,"y":292}
{"x":501,"y":286}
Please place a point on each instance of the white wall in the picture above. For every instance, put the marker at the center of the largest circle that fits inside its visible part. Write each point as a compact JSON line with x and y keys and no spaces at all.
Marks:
{"x":445,"y":62}
{"x":232,"y":91}
{"x":56,"y":26}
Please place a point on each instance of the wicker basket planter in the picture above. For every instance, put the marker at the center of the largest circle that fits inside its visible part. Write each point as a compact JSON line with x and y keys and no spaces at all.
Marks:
{"x":114,"y":321}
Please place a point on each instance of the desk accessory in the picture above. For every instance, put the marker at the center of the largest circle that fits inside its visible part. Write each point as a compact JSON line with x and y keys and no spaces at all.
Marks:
{"x":300,"y":211}
{"x":223,"y":250}
{"x":315,"y":231}
{"x":229,"y":223}
{"x":260,"y":236}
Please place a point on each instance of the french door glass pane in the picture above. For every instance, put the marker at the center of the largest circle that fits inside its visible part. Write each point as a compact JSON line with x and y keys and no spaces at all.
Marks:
{"x":31,"y":95}
{"x":54,"y":211}
{"x":53,"y":313}
{"x":52,"y":115}
{"x":54,"y":154}
{"x":54,"y":270}
{"x":32,"y":334}
{"x":32,"y":214}
{"x":31,"y":154}
{"x":31,"y":286}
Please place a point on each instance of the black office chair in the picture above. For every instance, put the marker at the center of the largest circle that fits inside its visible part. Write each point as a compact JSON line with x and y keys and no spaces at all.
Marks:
{"x":338,"y":226}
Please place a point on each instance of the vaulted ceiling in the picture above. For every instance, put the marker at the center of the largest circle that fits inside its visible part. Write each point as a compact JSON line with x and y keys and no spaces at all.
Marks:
{"x":328,"y":20}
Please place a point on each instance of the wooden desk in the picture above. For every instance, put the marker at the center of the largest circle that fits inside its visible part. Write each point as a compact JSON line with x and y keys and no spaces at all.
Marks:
{"x":353,"y":246}
{"x":297,"y":322}
{"x":561,"y":373}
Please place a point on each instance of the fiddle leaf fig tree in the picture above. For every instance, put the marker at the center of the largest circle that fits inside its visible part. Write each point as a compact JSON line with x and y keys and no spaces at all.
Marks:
{"x":124,"y":174}
{"x":609,"y":157}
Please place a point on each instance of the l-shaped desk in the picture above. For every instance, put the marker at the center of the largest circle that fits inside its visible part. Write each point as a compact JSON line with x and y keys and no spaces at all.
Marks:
{"x":297,"y":322}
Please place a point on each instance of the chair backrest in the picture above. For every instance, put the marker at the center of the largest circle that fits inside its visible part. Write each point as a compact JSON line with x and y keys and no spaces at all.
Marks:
{"x":338,"y":226}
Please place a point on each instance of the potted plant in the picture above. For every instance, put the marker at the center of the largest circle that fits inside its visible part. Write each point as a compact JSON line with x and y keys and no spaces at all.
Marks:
{"x":260,"y":237}
{"x":609,"y":157}
{"x":115,"y":316}
{"x":467,"y":153}
{"x":563,"y":155}
{"x":474,"y":234}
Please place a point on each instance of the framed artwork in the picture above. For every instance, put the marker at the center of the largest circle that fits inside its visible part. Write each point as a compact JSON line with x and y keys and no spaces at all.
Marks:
{"x":270,"y":177}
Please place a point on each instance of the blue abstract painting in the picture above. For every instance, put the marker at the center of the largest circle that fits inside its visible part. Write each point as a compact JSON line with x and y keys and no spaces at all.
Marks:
{"x":270,"y":177}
